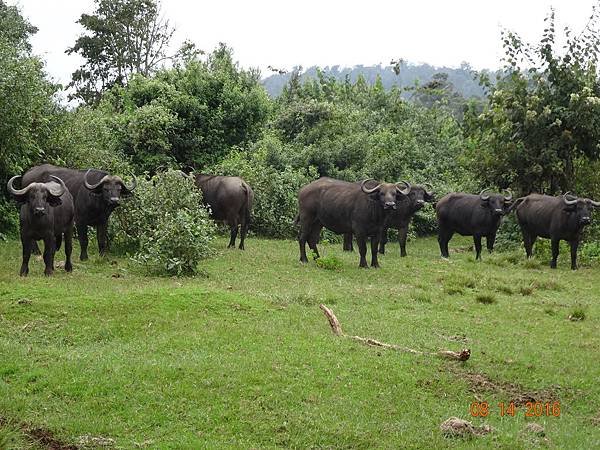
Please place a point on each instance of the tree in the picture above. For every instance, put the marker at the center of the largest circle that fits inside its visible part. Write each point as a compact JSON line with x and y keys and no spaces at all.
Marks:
{"x":123,"y":37}
{"x":543,"y":119}
{"x":26,"y":105}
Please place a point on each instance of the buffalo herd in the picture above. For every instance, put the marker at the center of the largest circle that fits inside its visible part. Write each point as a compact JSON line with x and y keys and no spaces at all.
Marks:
{"x":56,"y":200}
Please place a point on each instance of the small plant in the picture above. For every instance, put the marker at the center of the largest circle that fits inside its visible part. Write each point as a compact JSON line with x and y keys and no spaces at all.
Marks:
{"x":504,"y":289}
{"x":328,"y":262}
{"x":486,"y":299}
{"x":578,"y":314}
{"x":422,"y":297}
{"x":526,"y":290}
{"x":454,"y":290}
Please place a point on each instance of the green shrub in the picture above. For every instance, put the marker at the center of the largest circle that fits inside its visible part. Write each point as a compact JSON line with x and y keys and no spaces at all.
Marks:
{"x":164,"y":225}
{"x":328,"y":262}
{"x":486,"y":299}
{"x":509,"y":235}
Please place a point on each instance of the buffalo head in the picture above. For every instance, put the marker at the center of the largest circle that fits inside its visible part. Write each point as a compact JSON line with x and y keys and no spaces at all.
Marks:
{"x":111,"y":188}
{"x":419,"y":195}
{"x":582,"y":207}
{"x":386,"y":194}
{"x":497,"y":204}
{"x":39,"y":196}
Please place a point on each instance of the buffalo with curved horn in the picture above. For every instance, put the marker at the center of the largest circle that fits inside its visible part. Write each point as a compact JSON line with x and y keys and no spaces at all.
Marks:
{"x":343,"y":208}
{"x":555,"y":218}
{"x":46,"y":212}
{"x":400,"y":218}
{"x":471,"y":215}
{"x":96,"y":194}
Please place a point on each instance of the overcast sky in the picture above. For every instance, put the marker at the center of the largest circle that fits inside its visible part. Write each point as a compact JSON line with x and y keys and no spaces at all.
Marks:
{"x":324,"y":32}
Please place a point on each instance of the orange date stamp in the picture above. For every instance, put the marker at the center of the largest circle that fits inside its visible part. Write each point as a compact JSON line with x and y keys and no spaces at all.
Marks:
{"x":531,"y":409}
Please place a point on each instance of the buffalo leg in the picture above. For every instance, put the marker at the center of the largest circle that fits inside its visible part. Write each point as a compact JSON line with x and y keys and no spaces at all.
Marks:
{"x":574,"y":245}
{"x":58,"y":240}
{"x":303,"y":235}
{"x":49,"y":250}
{"x":528,"y":241}
{"x":361,"y":241}
{"x":35,"y":248}
{"x":233,"y":233}
{"x":102,"y":232}
{"x":490,"y":239}
{"x":313,"y":239}
{"x":348,"y":242}
{"x":444,"y":237}
{"x":243,"y":231}
{"x":383,"y":241}
{"x":555,"y":243}
{"x":374,"y":247}
{"x":27,"y":248}
{"x":82,"y":234}
{"x":477,"y":241}
{"x":68,"y":249}
{"x":402,"y":234}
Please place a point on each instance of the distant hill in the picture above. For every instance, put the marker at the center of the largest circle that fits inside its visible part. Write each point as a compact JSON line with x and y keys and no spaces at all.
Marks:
{"x":462,"y":78}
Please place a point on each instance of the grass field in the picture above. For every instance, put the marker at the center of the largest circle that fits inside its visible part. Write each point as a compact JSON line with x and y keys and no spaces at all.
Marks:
{"x":244,"y":358}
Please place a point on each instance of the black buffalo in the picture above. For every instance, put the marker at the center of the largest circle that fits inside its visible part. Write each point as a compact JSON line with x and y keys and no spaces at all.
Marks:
{"x":471,"y":215}
{"x":555,"y":218}
{"x":400,"y":217}
{"x":230,"y":200}
{"x":46,"y":213}
{"x":344,"y":207}
{"x":96,"y":194}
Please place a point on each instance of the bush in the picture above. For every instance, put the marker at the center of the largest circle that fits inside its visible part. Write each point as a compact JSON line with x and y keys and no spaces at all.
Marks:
{"x":509,"y":236}
{"x":275,"y":188}
{"x":164,"y":225}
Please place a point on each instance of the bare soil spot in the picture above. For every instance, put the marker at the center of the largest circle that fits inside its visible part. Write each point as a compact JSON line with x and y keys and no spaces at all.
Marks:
{"x":39,"y":436}
{"x":513,"y":392}
{"x":455,"y":427}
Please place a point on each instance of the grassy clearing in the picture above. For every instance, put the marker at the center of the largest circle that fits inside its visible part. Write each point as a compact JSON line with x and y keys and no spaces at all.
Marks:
{"x":243,"y":357}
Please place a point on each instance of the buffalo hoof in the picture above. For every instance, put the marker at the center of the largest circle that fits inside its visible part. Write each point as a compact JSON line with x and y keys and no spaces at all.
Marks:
{"x":83,"y":258}
{"x":23,"y":273}
{"x":553,"y":265}
{"x":375,"y":266}
{"x":573,"y":267}
{"x":69,"y":267}
{"x":48,"y":272}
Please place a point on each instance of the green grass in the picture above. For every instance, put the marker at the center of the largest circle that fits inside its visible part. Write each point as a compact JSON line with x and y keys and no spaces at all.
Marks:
{"x":243,"y":357}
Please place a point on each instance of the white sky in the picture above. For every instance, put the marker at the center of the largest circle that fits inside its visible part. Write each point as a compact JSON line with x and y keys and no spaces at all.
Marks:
{"x":324,"y":32}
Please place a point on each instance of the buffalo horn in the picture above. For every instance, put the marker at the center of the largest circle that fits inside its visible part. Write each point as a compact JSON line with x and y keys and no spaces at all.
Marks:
{"x":484,"y":197}
{"x":594,"y":204}
{"x":510,"y":195}
{"x":368,"y":191}
{"x":57,"y":192}
{"x":430,"y":191}
{"x":91,"y":187}
{"x":568,"y":202}
{"x":405,"y":191}
{"x":14,"y":191}
{"x":133,"y":184}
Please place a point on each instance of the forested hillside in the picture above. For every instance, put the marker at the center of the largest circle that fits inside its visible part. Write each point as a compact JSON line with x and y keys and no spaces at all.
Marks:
{"x":402,"y":75}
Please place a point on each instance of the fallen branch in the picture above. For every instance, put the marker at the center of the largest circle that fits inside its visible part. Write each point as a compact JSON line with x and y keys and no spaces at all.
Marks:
{"x":336,"y":328}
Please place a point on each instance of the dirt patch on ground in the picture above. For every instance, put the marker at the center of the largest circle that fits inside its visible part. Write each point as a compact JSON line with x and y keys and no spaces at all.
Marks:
{"x":513,"y":392}
{"x":39,"y":436}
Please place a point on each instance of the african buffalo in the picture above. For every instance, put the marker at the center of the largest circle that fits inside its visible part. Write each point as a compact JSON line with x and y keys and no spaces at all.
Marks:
{"x":46,"y":213}
{"x":96,"y":194}
{"x":344,"y":207}
{"x":230,"y":200}
{"x":556,"y":218}
{"x":400,"y":217}
{"x":470,"y":215}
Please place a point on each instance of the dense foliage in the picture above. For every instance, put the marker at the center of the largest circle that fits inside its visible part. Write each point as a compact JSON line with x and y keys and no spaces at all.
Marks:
{"x":26,"y":105}
{"x":543,"y":119}
{"x":164,"y":225}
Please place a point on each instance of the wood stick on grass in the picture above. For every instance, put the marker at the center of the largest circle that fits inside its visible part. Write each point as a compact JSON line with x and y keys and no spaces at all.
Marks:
{"x":463,"y":355}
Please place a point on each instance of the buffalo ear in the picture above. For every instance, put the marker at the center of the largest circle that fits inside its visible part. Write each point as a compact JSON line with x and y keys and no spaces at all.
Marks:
{"x":54,"y":201}
{"x":429,"y":197}
{"x":569,"y":208}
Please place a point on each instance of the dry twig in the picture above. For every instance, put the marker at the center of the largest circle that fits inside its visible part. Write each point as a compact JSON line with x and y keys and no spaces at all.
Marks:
{"x":336,"y":328}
